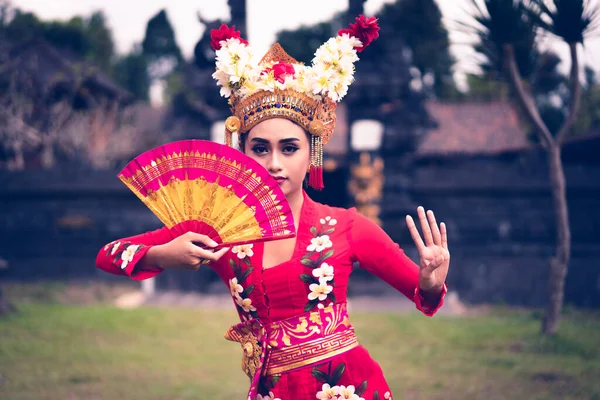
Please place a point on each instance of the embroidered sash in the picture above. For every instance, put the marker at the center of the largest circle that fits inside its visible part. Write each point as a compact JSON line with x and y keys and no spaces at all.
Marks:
{"x":292,"y":343}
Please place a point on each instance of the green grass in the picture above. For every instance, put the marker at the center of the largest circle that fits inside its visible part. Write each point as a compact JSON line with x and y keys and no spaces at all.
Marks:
{"x":57,"y":351}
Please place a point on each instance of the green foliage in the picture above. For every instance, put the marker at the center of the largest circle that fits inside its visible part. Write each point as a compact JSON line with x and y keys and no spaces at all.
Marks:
{"x":131,"y":73}
{"x":570,"y":20}
{"x":160,"y":47}
{"x":83,"y":38}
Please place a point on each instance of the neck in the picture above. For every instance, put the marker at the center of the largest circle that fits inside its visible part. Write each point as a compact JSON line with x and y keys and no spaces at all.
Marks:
{"x":295,"y":200}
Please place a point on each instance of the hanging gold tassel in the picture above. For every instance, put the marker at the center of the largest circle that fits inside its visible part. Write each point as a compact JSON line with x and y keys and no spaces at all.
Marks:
{"x":232,"y":125}
{"x":315,"y":179}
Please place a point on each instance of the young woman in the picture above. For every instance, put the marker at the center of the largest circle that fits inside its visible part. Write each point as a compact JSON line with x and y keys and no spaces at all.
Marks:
{"x":296,"y":338}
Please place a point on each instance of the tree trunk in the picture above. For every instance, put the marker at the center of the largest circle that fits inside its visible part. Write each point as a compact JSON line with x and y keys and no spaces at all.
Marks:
{"x":560,"y":261}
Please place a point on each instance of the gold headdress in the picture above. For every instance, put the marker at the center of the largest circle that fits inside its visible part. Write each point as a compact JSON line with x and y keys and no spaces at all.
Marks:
{"x":279,"y":86}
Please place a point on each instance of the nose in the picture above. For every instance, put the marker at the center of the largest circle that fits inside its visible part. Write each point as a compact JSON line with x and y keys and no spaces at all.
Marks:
{"x":274,"y":162}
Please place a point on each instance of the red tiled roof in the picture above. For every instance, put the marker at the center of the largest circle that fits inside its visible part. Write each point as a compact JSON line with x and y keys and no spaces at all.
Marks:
{"x":473,"y":128}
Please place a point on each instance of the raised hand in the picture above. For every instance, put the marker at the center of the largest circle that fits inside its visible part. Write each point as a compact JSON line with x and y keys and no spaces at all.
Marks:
{"x":433,"y":252}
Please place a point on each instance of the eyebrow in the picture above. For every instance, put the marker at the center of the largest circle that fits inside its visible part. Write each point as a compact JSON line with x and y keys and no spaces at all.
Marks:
{"x":288,"y":140}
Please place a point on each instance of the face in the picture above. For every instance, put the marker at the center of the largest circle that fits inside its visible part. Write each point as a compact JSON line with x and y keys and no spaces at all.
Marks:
{"x":283,"y":148}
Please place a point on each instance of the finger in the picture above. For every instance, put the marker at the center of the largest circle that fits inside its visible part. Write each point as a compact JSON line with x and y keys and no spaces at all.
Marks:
{"x":437,"y":237}
{"x":207,"y":254}
{"x":444,"y":235}
{"x":199,"y":238}
{"x":221,"y":252}
{"x":414,"y":233}
{"x":425,"y":226}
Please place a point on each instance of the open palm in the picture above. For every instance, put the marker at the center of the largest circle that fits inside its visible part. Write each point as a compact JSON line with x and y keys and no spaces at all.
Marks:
{"x":433,"y":251}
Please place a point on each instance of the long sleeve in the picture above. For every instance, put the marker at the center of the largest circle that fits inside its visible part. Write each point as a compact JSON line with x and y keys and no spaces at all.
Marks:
{"x":124,"y":256}
{"x":377,"y":253}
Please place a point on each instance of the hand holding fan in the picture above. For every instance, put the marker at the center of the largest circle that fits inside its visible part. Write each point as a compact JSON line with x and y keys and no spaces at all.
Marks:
{"x":211,"y":189}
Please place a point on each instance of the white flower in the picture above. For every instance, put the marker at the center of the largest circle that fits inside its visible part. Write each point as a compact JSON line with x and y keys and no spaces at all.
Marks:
{"x":127,"y":255}
{"x":324,"y":273}
{"x":271,"y":396}
{"x":115,"y":248}
{"x":319,"y":243}
{"x":246,"y":304}
{"x":387,"y":396}
{"x":243,"y":251}
{"x":328,"y":220}
{"x":320,"y":306}
{"x":319,"y":291}
{"x":235,"y":288}
{"x":328,"y":393}
{"x":347,"y":393}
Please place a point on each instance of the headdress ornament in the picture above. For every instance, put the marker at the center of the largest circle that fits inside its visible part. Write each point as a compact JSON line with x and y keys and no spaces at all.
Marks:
{"x":278,"y":86}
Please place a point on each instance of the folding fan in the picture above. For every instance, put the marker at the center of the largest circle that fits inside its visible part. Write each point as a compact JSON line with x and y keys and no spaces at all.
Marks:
{"x":211,"y":189}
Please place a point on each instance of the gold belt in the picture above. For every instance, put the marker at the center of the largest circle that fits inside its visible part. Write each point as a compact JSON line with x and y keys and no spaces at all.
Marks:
{"x":293,"y":343}
{"x":291,"y":357}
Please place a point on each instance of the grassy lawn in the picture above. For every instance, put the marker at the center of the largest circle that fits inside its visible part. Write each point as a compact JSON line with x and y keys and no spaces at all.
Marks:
{"x":50,"y":350}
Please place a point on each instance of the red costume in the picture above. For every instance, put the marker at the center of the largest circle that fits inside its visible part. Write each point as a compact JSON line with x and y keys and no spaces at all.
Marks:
{"x":329,"y":241}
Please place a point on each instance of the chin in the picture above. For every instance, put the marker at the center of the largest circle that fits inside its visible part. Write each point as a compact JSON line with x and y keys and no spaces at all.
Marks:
{"x":287,"y":189}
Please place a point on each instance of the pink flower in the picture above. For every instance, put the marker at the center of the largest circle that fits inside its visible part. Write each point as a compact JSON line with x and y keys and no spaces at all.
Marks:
{"x":223,"y":33}
{"x":280,"y":71}
{"x":364,"y":29}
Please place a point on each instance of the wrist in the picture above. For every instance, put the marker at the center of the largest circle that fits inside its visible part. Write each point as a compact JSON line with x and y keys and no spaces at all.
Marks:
{"x":154,"y":256}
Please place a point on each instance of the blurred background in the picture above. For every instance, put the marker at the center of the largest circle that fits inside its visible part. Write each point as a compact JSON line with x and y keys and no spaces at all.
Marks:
{"x":485,"y":111}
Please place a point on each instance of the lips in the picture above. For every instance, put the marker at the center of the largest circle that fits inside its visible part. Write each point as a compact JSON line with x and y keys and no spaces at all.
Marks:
{"x":279,"y":179}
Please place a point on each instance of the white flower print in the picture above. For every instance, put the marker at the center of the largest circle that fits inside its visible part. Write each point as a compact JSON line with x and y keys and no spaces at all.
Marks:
{"x":127,"y":255}
{"x":387,"y":396}
{"x":321,"y":306}
{"x":328,"y":393}
{"x":328,"y":220}
{"x":324,"y":273}
{"x":320,"y":291}
{"x":235,"y":288}
{"x":347,"y":393}
{"x":115,"y":248}
{"x":243,"y":251}
{"x":246,"y":304}
{"x":319,"y":243}
{"x":271,"y":396}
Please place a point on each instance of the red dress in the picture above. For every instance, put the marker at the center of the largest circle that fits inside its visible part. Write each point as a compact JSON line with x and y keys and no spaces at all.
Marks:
{"x":337,"y":238}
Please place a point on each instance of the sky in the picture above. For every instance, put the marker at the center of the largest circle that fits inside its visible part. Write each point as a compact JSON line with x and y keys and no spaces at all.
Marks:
{"x":128,"y":18}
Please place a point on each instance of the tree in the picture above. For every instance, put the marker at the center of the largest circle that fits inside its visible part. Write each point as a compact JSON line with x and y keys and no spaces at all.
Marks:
{"x":571,"y":21}
{"x":131,"y":73}
{"x":160,"y":47}
{"x":82,"y":38}
{"x":419,"y":23}
{"x":102,"y":47}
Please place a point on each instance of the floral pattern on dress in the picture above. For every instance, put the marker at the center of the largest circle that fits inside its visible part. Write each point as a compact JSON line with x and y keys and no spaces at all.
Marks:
{"x":332,"y":391}
{"x":242,"y":268}
{"x":122,"y":253}
{"x":321,"y":281}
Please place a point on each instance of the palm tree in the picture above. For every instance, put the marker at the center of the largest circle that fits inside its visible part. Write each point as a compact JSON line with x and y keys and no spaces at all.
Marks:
{"x":503,"y":26}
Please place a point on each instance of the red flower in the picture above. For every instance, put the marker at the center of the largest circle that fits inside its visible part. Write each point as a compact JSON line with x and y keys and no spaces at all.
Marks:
{"x":223,"y":33}
{"x":280,"y":71}
{"x":364,"y":29}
